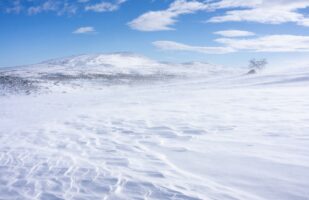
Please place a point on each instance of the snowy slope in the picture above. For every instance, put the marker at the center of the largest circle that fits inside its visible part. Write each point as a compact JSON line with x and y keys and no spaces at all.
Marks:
{"x":117,"y":68}
{"x":116,"y":63}
{"x":196,"y":131}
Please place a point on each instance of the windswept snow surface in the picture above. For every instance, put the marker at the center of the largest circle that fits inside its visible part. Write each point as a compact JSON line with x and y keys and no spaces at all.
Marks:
{"x":121,"y":126}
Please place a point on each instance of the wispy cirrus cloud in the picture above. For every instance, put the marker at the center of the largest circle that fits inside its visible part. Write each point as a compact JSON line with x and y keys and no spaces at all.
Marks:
{"x":175,"y":46}
{"x":264,"y":11}
{"x":270,"y":43}
{"x":49,"y":5}
{"x":105,"y":6}
{"x":234,"y":33}
{"x":85,"y":30}
{"x":59,"y":7}
{"x":15,"y":6}
{"x":260,"y":11}
{"x":164,"y":19}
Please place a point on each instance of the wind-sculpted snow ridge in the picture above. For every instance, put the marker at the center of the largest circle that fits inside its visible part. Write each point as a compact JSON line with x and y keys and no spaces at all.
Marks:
{"x":203,"y":134}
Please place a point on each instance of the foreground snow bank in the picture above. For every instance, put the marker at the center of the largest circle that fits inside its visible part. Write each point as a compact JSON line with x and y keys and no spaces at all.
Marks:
{"x":215,"y":134}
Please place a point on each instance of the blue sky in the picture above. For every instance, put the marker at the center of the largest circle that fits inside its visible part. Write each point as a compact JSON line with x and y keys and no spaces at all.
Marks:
{"x":227,"y":32}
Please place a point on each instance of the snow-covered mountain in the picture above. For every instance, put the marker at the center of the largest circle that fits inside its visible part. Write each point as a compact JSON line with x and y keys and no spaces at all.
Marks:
{"x":122,"y":126}
{"x":115,"y":63}
{"x":103,"y":68}
{"x":128,"y":67}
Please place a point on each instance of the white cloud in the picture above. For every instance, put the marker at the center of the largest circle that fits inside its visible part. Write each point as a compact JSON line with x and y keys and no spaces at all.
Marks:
{"x":163,"y":19}
{"x":175,"y":46}
{"x":105,"y":6}
{"x":59,"y":7}
{"x":259,"y":15}
{"x":263,"y":11}
{"x":271,"y":43}
{"x":46,"y":6}
{"x":235,"y":4}
{"x":84,"y":30}
{"x":16,"y":7}
{"x":304,"y":22}
{"x":234,"y":33}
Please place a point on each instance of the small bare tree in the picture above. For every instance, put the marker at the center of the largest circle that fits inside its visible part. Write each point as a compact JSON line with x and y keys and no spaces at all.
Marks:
{"x":256,"y":65}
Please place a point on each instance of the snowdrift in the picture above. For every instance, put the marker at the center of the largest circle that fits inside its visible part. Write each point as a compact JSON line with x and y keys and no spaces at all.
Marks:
{"x":122,"y":126}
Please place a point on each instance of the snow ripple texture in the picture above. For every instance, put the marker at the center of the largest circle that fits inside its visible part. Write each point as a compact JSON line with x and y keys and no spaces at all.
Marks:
{"x":216,"y":134}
